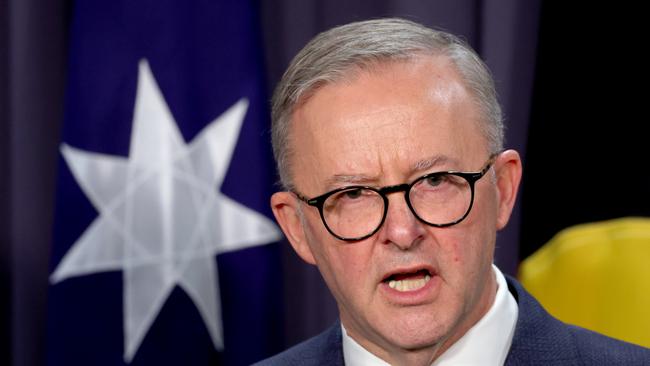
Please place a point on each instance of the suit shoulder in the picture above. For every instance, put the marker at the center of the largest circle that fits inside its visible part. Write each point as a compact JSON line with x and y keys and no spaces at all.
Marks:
{"x":323,"y":349}
{"x":597,"y":349}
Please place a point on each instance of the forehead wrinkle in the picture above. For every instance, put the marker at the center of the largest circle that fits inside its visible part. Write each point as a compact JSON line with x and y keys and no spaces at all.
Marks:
{"x":377,"y":118}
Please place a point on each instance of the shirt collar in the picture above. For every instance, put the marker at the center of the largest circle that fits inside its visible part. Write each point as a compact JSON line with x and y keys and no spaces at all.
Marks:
{"x":486,"y":343}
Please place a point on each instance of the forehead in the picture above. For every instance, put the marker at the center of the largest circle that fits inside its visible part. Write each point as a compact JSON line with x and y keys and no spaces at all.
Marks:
{"x":385,"y":121}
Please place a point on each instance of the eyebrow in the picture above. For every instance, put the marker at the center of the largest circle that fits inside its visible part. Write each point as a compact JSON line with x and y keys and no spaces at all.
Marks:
{"x":433,"y":161}
{"x":355,"y":179}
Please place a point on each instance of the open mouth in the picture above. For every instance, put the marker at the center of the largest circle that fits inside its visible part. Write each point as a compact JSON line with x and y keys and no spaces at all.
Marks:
{"x":409,"y":281}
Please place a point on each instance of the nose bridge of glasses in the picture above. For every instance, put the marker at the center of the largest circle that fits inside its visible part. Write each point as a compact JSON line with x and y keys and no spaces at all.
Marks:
{"x":404,"y":187}
{"x":392,"y":189}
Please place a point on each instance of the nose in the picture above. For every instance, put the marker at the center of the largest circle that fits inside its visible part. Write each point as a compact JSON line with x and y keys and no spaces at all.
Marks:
{"x":401,"y":228}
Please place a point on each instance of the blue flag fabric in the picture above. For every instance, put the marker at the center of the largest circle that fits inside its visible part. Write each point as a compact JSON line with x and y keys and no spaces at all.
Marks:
{"x":163,"y":247}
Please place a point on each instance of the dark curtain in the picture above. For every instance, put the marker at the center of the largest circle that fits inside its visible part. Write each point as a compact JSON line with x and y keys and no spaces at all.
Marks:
{"x":5,"y":224}
{"x":33,"y":68}
{"x":33,"y":40}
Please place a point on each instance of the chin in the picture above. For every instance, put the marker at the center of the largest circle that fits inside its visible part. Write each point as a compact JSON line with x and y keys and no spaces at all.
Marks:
{"x":418,"y":331}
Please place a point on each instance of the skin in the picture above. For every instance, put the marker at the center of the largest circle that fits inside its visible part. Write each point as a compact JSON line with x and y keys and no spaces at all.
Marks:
{"x":386,"y":126}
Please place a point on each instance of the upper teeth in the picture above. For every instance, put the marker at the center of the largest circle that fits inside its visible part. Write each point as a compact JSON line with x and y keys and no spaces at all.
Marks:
{"x":409,"y":284}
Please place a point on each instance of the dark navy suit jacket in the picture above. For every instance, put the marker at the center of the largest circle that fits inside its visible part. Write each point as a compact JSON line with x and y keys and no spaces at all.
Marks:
{"x":539,"y":339}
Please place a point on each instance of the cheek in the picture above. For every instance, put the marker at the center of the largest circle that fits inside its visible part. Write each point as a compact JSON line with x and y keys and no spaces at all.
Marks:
{"x":347,"y":277}
{"x":481,"y":225}
{"x":344,"y":266}
{"x":462,"y":264}
{"x":467,"y":247}
{"x":455,"y":246}
{"x":350,"y":264}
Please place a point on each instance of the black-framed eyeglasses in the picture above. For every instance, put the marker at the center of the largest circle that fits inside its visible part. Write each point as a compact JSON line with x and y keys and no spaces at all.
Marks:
{"x":437,"y":199}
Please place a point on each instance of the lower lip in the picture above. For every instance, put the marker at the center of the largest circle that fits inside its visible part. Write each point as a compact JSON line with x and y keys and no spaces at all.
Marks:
{"x":415,"y":297}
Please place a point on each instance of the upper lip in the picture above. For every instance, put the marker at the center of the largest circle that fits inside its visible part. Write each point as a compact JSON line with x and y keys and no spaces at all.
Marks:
{"x":409,"y":269}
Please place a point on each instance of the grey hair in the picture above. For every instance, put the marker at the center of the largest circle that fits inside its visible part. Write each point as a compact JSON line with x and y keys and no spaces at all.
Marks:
{"x":337,"y":53}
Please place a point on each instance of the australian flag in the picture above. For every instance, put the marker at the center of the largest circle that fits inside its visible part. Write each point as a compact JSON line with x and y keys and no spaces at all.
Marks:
{"x":163,"y":250}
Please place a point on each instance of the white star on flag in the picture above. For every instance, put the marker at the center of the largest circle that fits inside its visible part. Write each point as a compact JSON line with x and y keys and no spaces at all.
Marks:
{"x":161,"y":217}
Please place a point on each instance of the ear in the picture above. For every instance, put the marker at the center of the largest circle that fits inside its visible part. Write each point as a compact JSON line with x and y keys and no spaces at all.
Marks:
{"x":285,"y":208}
{"x":508,"y":174}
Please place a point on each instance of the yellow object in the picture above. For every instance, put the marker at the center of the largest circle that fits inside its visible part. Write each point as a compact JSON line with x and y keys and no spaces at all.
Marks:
{"x":596,"y":276}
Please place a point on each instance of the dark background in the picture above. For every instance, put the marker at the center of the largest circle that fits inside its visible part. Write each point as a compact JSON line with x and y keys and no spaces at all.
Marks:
{"x":587,"y":146}
{"x":571,"y":81}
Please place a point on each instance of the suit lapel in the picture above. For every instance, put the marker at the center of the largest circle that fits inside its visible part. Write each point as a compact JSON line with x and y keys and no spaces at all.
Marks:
{"x":539,"y":338}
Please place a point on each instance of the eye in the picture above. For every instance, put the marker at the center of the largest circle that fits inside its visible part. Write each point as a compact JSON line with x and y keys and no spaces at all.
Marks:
{"x":353,"y":193}
{"x":350,"y":197}
{"x":435,"y":180}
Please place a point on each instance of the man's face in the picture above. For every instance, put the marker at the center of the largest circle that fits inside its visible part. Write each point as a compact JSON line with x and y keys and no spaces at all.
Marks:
{"x":387,"y":126}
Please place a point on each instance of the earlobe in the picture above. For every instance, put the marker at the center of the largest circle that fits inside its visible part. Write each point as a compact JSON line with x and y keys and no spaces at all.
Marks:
{"x":285,"y":208}
{"x":508,"y":178}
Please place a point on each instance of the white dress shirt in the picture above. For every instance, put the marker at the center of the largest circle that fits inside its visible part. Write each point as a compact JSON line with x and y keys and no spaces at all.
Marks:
{"x":486,"y":343}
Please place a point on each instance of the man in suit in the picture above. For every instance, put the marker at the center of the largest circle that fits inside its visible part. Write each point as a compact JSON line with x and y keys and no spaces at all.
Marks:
{"x":389,"y":143}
